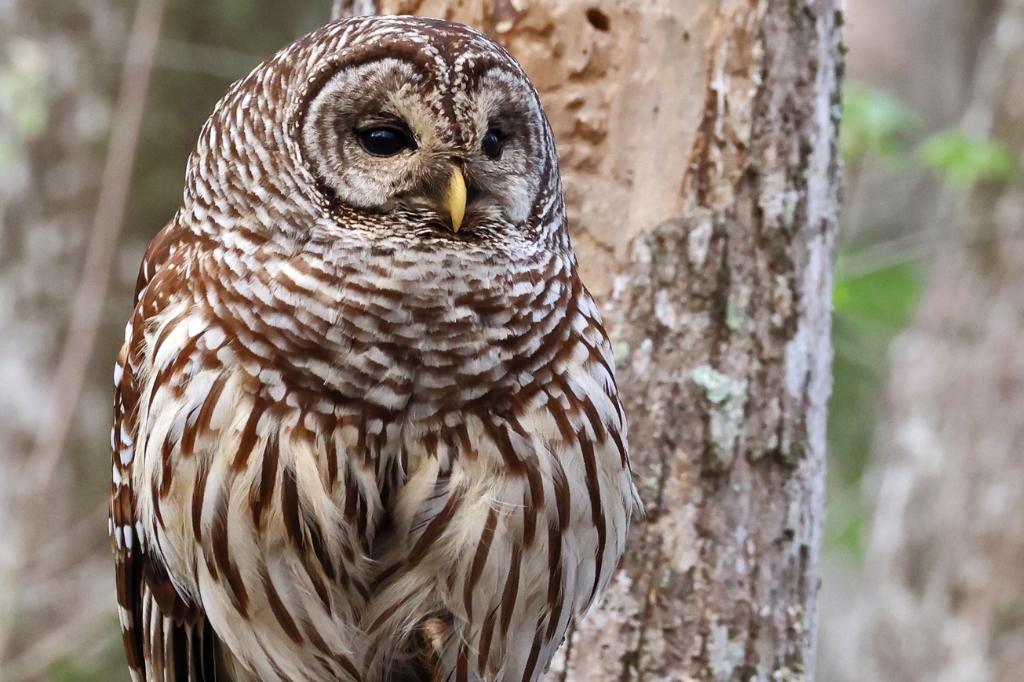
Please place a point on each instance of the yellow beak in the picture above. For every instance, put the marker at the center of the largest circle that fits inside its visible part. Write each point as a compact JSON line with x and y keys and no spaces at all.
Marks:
{"x":455,"y":198}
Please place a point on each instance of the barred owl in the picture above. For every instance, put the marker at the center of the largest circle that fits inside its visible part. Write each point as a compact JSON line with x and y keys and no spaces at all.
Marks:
{"x":366,"y":422}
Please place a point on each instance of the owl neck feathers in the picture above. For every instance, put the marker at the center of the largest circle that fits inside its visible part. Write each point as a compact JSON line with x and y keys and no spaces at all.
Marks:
{"x":385,"y":323}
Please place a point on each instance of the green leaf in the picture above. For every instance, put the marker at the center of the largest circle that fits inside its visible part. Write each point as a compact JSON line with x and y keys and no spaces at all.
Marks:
{"x":873,"y":122}
{"x":844,"y":523}
{"x":870,"y":309}
{"x":887,"y":296}
{"x":963,"y":160}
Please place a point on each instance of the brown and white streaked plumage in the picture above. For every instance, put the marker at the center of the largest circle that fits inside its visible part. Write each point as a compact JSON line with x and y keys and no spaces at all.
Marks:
{"x":359,"y":435}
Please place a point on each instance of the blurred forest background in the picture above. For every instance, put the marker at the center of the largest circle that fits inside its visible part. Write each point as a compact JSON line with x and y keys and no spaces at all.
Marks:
{"x":924,"y":557}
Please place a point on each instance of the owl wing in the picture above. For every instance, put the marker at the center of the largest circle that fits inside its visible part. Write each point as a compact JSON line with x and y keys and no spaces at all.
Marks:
{"x":165,"y":638}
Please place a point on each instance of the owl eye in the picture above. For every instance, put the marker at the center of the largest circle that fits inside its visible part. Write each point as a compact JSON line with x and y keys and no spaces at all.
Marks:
{"x":384,"y":140}
{"x":493,"y":144}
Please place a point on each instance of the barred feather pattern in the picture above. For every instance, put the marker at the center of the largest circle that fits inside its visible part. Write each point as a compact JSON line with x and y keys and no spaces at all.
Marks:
{"x":349,"y":445}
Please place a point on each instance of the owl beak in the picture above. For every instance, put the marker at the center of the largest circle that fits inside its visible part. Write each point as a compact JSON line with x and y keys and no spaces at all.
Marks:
{"x":455,"y":198}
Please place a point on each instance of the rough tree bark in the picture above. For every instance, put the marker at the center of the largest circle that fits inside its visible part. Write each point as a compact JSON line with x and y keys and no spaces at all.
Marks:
{"x":697,"y":141}
{"x":725,"y":315}
{"x":946,"y":556}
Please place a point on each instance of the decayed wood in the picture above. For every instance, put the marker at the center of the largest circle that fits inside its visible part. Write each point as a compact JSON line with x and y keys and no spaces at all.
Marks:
{"x":697,"y":141}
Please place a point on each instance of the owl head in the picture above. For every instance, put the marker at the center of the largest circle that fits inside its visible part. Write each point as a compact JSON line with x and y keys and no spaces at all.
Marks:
{"x":383,"y":128}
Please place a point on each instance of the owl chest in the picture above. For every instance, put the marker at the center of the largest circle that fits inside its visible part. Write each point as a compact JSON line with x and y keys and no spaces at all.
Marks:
{"x":220,"y":432}
{"x":333,"y":431}
{"x":245,"y":472}
{"x":422,"y":345}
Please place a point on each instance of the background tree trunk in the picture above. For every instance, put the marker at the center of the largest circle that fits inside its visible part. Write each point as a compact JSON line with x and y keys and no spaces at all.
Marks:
{"x":697,"y":141}
{"x":946,"y":558}
{"x":55,"y":105}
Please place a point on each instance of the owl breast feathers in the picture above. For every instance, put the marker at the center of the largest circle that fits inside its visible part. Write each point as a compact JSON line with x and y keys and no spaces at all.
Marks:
{"x":366,"y":423}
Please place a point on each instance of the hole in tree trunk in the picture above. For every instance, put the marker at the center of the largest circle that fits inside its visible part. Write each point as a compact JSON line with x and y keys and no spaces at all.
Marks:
{"x":598,"y":19}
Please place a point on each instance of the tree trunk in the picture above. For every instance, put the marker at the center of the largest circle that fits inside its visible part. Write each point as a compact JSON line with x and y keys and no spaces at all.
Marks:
{"x":946,"y":556}
{"x":697,"y":141}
